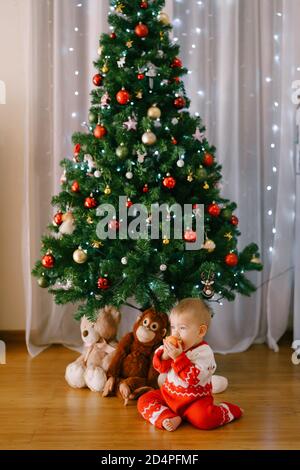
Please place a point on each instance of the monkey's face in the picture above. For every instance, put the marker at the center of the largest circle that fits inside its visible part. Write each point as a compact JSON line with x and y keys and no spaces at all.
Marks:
{"x":150,"y":328}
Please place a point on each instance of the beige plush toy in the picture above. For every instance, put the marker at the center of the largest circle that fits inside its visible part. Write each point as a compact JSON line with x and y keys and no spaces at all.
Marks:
{"x":99,"y":339}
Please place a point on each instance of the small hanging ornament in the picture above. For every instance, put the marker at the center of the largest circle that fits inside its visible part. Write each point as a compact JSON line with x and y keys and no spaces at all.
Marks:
{"x":209,"y":245}
{"x":163,"y":267}
{"x":43,"y":282}
{"x":103,"y":283}
{"x":177,"y":63}
{"x":97,"y":174}
{"x":129,"y":203}
{"x":77,"y":150}
{"x":146,"y":188}
{"x":90,"y":163}
{"x":214,"y":210}
{"x":113,"y":35}
{"x":93,"y":117}
{"x":231,"y":260}
{"x":97,"y":79}
{"x":180,"y":163}
{"x":58,"y":219}
{"x":256,"y":260}
{"x":166,"y":241}
{"x":107,"y":191}
{"x":63,"y":178}
{"x":121,"y":62}
{"x":75,"y":188}
{"x":234,"y":220}
{"x":169,"y":182}
{"x":100,"y":131}
{"x":139,"y":95}
{"x":179,"y":102}
{"x":206,"y":186}
{"x":105,"y":100}
{"x":229,"y":236}
{"x":208,"y":159}
{"x":80,"y":256}
{"x":201,"y":174}
{"x":97,"y":244}
{"x":90,"y":202}
{"x":129,"y":175}
{"x":227,"y":214}
{"x":154,"y":112}
{"x":174,"y":141}
{"x":144,"y":5}
{"x":124,"y":261}
{"x":190,"y":177}
{"x":114,"y":225}
{"x":48,"y":261}
{"x":164,"y":18}
{"x":123,"y":96}
{"x":151,"y":73}
{"x":149,"y":138}
{"x":100,"y":50}
{"x":208,"y":280}
{"x":190,"y":236}
{"x":131,"y":124}
{"x":122,"y":151}
{"x":105,"y":68}
{"x":199,"y":135}
{"x":141,"y":76}
{"x":129,"y":44}
{"x":141,"y":30}
{"x":68,"y":225}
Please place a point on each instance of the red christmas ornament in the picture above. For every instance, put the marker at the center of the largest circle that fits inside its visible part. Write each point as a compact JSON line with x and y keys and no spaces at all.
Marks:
{"x":141,"y":76}
{"x":141,"y":30}
{"x":75,"y":187}
{"x":169,"y":182}
{"x":114,"y":225}
{"x":103,"y":283}
{"x":190,"y":236}
{"x":57,"y":219}
{"x":176,"y":79}
{"x":77,"y":149}
{"x":234,"y":220}
{"x":90,"y":203}
{"x":48,"y":261}
{"x":231,"y":260}
{"x":208,"y":159}
{"x":100,"y":131}
{"x":123,"y":96}
{"x":176,"y":63}
{"x":174,"y":141}
{"x":179,"y":102}
{"x":145,"y":189}
{"x":214,"y":210}
{"x":129,"y":203}
{"x":195,"y":207}
{"x":97,"y":79}
{"x":144,"y":5}
{"x":113,"y":36}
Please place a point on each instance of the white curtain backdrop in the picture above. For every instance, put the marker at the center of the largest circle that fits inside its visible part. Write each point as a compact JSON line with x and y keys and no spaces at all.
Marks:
{"x":243,"y":57}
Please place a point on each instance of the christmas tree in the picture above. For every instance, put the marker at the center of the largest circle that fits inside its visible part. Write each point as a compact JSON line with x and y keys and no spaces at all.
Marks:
{"x":143,"y":144}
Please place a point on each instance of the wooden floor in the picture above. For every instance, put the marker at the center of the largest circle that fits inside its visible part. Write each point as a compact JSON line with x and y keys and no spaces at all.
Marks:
{"x":39,"y":411}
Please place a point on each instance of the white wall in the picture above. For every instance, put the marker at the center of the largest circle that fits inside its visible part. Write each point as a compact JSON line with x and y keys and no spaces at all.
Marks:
{"x":11,"y":165}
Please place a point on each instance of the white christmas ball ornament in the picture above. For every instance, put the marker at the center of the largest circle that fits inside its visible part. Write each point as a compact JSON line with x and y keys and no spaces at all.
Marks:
{"x":124,"y":261}
{"x":180,"y":163}
{"x":129,"y":175}
{"x":163,"y":267}
{"x":97,"y":174}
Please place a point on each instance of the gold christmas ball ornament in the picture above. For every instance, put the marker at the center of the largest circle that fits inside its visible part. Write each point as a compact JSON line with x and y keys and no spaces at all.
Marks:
{"x":164,"y":18}
{"x":107,"y":190}
{"x":154,"y":112}
{"x":105,"y":68}
{"x":79,"y":256}
{"x":166,"y":241}
{"x":149,"y":138}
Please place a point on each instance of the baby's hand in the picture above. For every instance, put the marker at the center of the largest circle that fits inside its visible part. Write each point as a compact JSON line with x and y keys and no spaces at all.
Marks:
{"x":165,"y":356}
{"x":172,"y":351}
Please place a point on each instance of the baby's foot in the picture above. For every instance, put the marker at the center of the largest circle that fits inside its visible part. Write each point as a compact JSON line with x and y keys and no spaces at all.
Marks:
{"x":171,"y":424}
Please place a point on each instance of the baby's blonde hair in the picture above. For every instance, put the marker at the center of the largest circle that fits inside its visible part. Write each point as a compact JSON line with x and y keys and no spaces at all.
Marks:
{"x":197,"y":307}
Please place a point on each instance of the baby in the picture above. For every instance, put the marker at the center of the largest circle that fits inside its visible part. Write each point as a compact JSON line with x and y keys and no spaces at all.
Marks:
{"x":189,"y":364}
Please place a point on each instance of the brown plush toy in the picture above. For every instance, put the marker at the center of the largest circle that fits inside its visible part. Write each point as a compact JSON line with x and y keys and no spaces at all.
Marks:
{"x":131,"y":372}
